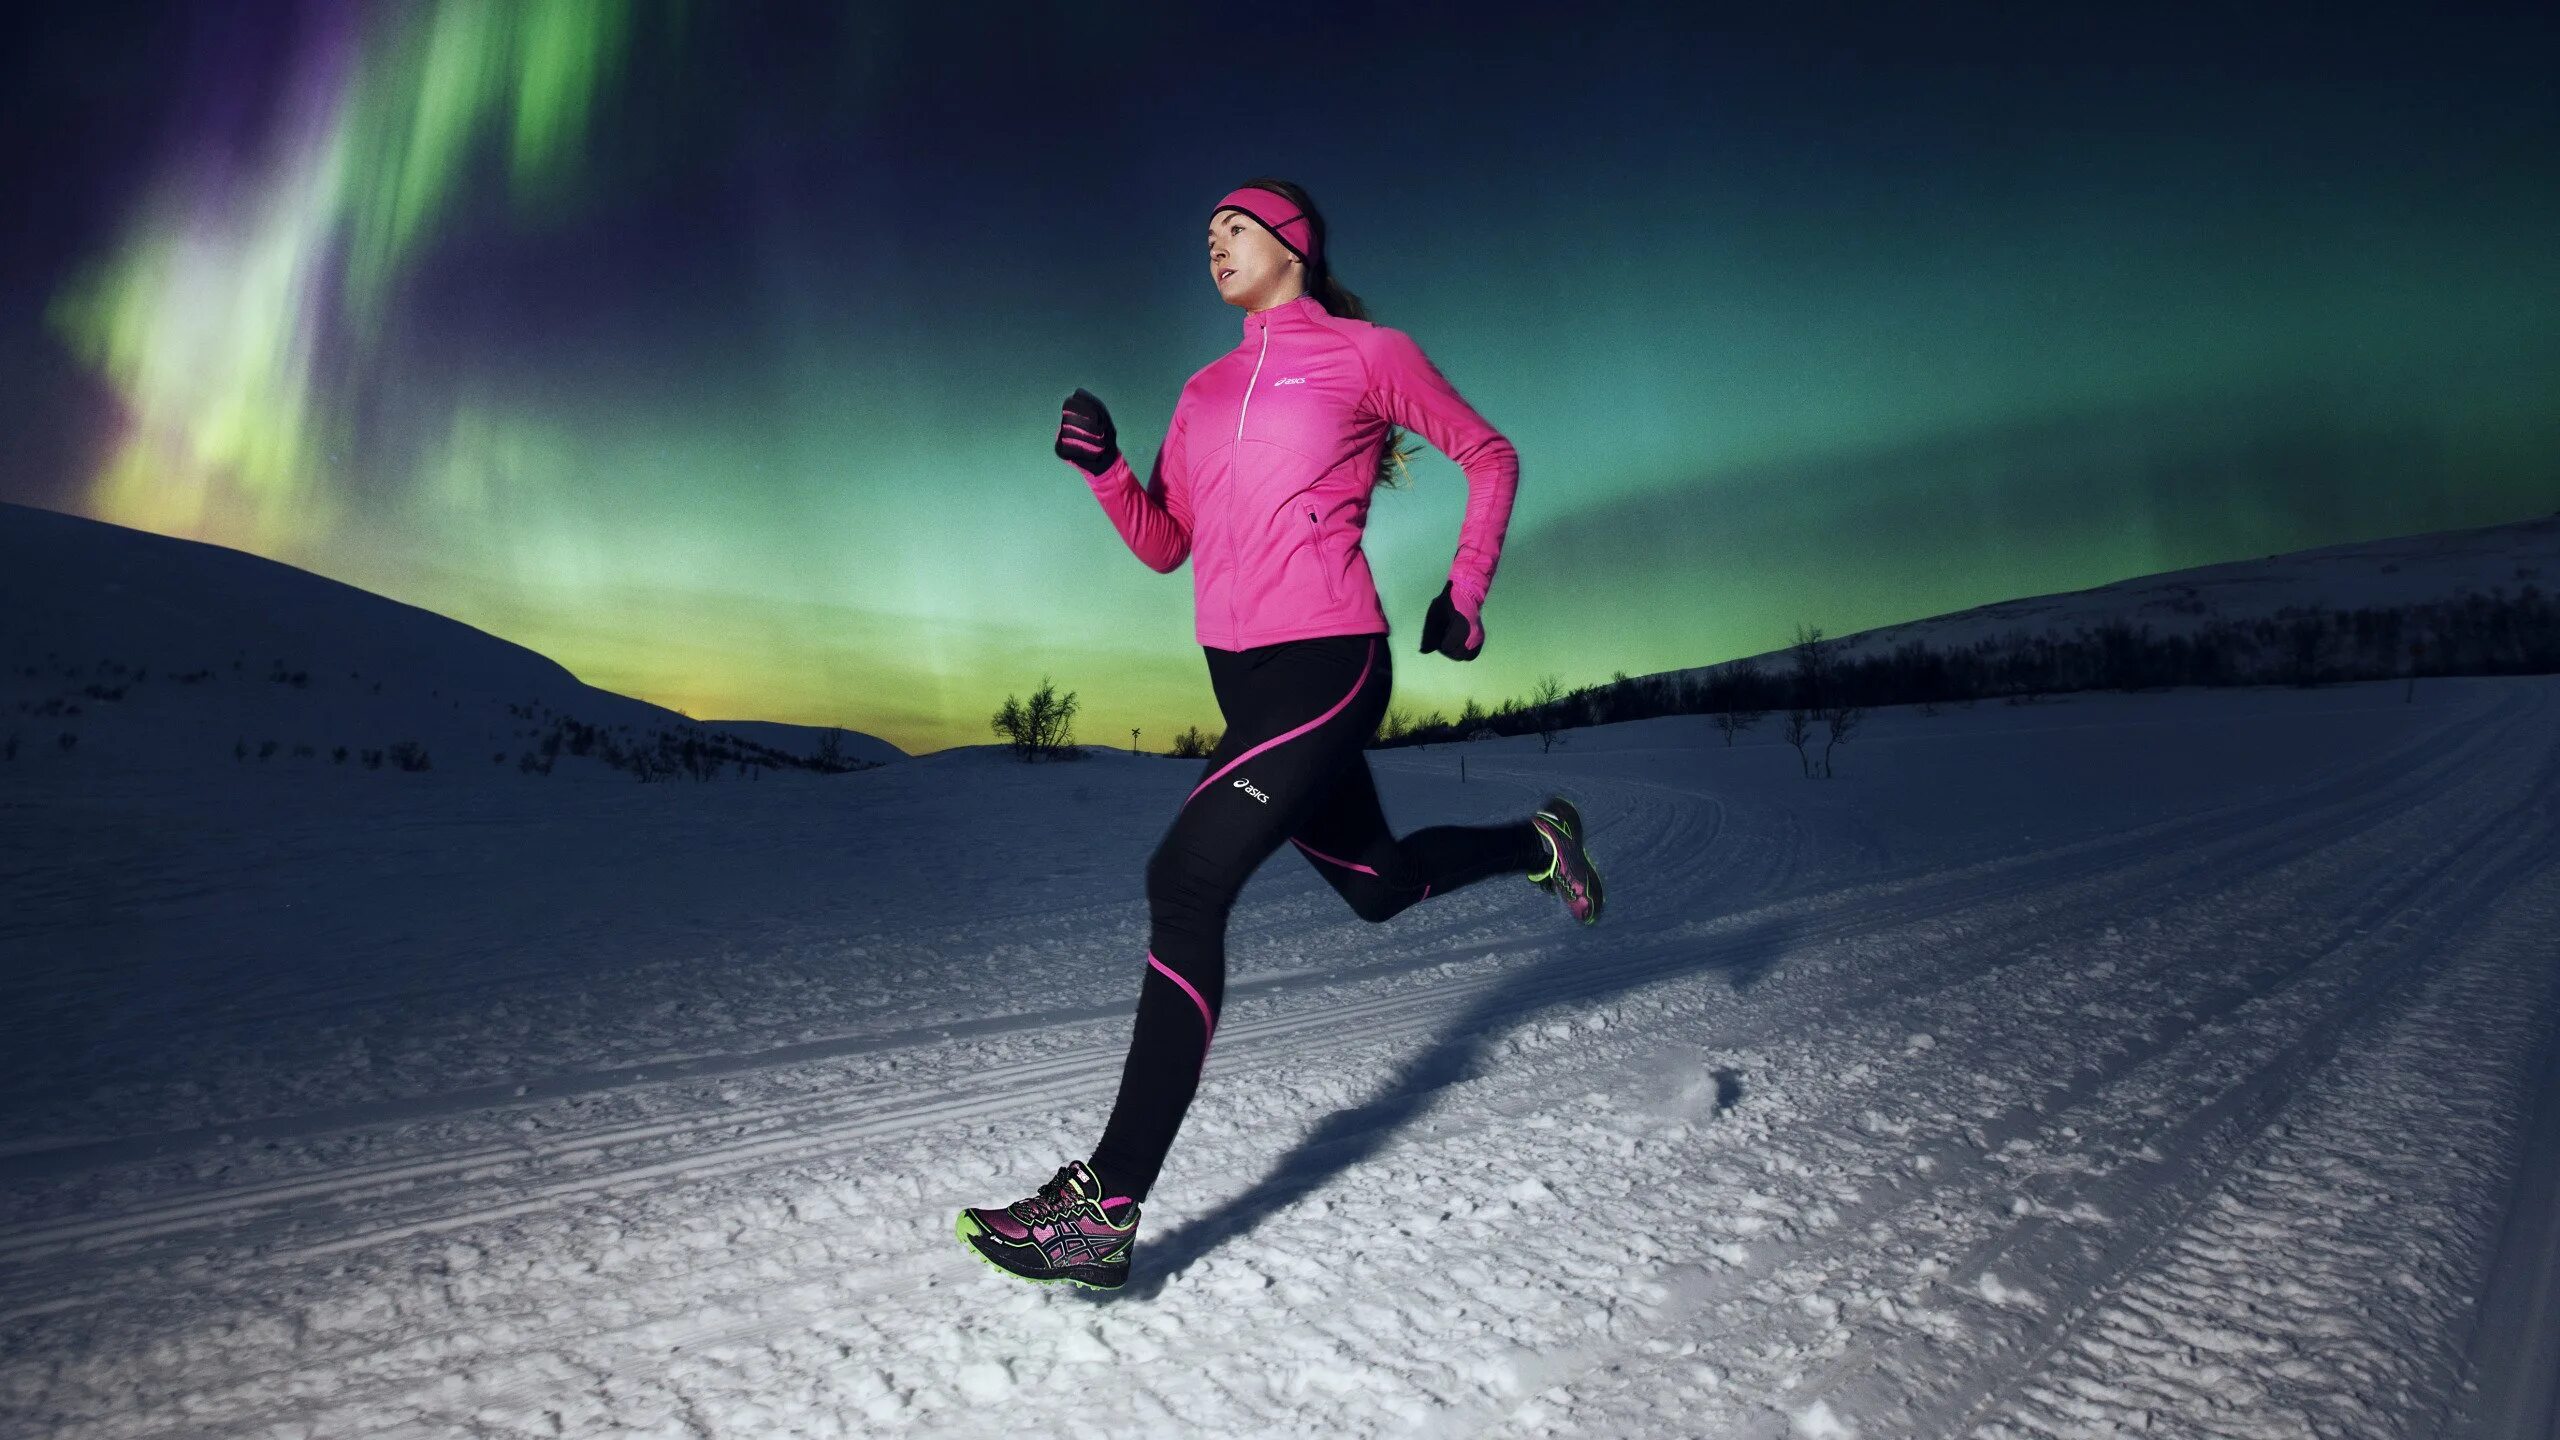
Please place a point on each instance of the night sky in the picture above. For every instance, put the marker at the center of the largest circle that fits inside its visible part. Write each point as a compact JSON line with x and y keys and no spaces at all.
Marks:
{"x":716,"y":350}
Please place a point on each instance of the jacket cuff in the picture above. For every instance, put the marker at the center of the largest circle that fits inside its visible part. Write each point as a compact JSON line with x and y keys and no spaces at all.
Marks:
{"x":1111,"y":477}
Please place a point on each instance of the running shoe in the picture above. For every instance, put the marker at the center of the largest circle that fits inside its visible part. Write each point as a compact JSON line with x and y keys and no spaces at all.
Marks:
{"x":1069,"y":1230}
{"x":1569,"y":874}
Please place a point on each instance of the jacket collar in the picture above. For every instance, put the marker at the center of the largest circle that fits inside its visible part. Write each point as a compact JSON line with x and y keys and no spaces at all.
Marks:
{"x":1287,"y":315}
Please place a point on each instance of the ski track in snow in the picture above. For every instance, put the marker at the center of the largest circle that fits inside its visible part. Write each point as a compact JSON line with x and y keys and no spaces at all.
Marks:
{"x":2203,"y":1125}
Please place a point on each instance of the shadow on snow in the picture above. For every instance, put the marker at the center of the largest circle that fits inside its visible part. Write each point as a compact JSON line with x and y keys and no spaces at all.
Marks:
{"x":1577,"y":975}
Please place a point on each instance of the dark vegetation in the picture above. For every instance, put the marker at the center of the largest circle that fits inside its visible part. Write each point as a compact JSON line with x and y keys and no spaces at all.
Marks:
{"x":1041,"y":728}
{"x":662,"y":753}
{"x":2493,"y":634}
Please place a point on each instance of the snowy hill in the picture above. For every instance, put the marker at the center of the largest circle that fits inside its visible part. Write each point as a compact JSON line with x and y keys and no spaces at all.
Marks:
{"x":2397,"y":573}
{"x":2170,"y":1063}
{"x":153,"y":652}
{"x":806,"y":739}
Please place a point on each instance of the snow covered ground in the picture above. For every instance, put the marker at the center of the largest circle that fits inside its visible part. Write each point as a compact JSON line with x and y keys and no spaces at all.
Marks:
{"x":2171,"y":1064}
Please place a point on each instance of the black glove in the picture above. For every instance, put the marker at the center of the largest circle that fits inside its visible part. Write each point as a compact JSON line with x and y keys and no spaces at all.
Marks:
{"x":1085,"y":437}
{"x":1445,"y":628}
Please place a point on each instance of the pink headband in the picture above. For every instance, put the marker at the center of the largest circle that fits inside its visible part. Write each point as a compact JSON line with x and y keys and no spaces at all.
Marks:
{"x":1293,"y":228}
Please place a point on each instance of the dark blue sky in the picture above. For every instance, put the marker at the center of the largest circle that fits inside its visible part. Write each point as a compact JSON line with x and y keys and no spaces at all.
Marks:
{"x":736,"y":391}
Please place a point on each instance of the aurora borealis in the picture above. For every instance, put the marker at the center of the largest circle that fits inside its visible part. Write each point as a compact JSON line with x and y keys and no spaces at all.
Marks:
{"x":715,"y":351}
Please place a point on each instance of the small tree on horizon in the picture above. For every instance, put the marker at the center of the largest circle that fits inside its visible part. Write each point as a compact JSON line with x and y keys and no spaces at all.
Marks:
{"x":1733,"y":696}
{"x":1799,"y":730}
{"x":1812,"y":667}
{"x":1042,"y":728}
{"x":1734,"y":722}
{"x":1550,"y":719}
{"x":1841,"y":719}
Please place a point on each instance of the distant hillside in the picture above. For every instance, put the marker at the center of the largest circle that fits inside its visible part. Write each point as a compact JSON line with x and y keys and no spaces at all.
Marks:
{"x":120,"y":648}
{"x":2399,"y":573}
{"x":807,"y":739}
{"x":2454,"y":602}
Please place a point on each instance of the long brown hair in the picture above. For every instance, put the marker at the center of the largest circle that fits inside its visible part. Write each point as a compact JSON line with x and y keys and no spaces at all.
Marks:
{"x":1337,"y":299}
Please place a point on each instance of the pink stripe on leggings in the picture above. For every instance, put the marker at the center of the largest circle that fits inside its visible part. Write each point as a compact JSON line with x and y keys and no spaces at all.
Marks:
{"x":1208,"y":1026}
{"x":1348,"y":864}
{"x":1334,"y":859}
{"x":1368,"y":662}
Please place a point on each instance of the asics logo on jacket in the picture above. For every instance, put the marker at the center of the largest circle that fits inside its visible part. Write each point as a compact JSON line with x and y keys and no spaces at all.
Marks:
{"x":1266,"y":490}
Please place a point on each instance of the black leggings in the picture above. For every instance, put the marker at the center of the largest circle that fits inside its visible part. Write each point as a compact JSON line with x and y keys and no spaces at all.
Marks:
{"x":1290,"y":768}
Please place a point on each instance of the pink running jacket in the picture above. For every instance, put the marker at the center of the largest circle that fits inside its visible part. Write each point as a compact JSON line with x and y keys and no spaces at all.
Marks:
{"x":1265,"y":472}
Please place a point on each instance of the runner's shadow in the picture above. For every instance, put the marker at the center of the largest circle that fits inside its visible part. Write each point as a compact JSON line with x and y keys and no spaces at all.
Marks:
{"x":1348,"y":1138}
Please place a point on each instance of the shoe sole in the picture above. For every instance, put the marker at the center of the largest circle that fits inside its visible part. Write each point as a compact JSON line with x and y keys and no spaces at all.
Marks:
{"x":1570,"y":821}
{"x":967,"y":1228}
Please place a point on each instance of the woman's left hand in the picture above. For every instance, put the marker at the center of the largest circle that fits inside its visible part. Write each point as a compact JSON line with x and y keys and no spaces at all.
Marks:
{"x":1451,"y":629}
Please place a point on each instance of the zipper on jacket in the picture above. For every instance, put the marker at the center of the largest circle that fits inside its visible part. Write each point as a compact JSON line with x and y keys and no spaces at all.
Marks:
{"x":1315,"y":542}
{"x":1249,"y":384}
{"x":1233,"y":454}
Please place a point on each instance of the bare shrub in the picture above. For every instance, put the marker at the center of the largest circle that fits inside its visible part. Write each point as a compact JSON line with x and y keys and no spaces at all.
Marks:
{"x":1042,"y":728}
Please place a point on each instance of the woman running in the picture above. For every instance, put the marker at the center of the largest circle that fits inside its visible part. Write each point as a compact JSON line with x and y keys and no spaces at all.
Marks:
{"x":1263,"y":482}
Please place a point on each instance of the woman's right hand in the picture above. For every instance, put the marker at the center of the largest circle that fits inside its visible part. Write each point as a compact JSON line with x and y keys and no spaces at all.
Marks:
{"x":1085,"y":436}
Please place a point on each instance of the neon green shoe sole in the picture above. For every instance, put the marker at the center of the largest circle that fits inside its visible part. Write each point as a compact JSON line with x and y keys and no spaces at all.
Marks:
{"x":968,"y":1228}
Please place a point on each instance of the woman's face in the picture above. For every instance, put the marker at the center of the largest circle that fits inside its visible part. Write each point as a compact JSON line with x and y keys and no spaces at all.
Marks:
{"x":1249,"y":265}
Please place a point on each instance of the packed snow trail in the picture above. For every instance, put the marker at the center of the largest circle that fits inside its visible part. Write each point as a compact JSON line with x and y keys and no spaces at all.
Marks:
{"x":2137,"y":1061}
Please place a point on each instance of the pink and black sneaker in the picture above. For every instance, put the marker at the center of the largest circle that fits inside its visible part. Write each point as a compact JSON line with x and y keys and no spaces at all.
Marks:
{"x":1070,"y":1230}
{"x":1570,"y":876}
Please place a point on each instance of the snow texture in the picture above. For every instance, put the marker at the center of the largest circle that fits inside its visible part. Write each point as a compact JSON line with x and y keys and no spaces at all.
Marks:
{"x":2176,"y":1063}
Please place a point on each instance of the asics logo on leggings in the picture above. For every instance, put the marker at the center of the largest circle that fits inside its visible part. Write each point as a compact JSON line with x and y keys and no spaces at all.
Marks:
{"x":1246,"y":786}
